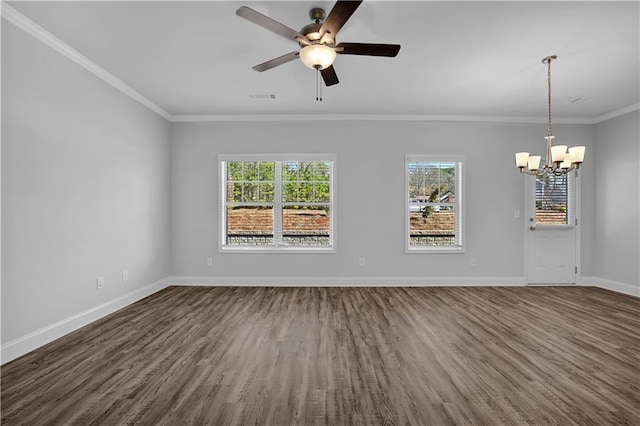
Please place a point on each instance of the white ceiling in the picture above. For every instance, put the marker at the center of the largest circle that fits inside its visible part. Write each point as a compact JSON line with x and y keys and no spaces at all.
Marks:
{"x":477,"y":59}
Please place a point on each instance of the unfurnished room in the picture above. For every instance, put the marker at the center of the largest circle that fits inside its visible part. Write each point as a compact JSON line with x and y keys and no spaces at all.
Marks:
{"x":320,"y":213}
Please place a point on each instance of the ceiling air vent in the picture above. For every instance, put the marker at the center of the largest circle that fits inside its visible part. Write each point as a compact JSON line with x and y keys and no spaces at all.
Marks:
{"x":262,"y":96}
{"x":581,"y":100}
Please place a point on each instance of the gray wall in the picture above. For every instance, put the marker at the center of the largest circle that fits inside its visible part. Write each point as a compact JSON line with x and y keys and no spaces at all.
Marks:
{"x":617,"y":189}
{"x":370,"y":172}
{"x":85,"y":188}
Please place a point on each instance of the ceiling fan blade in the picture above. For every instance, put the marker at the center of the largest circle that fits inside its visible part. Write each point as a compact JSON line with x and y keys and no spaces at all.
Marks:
{"x":276,"y":61}
{"x":268,"y":23}
{"x":329,"y":76}
{"x":368,"y":49}
{"x":340,"y":14}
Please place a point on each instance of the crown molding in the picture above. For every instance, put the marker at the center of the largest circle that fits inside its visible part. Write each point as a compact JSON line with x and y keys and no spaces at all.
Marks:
{"x":617,"y":113}
{"x":35,"y":30}
{"x":374,"y":117}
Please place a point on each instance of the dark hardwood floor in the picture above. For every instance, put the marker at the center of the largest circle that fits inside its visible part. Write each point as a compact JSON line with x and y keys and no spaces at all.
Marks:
{"x":370,"y":356}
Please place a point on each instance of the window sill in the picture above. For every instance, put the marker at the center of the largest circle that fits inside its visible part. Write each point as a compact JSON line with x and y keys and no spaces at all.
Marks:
{"x":282,"y":249}
{"x":434,"y":250}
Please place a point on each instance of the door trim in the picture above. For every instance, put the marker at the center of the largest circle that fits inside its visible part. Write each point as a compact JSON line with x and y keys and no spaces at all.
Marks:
{"x":528,"y":186}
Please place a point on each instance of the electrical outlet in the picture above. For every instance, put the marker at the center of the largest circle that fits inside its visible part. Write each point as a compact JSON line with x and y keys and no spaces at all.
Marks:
{"x":472,"y":261}
{"x":362,"y":262}
{"x":99,"y":282}
{"x":210,"y":262}
{"x":516,"y":214}
{"x":125,"y":276}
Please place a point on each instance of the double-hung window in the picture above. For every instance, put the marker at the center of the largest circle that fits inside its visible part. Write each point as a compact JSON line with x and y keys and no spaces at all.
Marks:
{"x":277,"y":202}
{"x":434,"y":203}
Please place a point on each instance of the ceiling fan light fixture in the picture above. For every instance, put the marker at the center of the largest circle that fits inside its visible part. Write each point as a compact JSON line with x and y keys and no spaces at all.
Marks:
{"x":317,"y":56}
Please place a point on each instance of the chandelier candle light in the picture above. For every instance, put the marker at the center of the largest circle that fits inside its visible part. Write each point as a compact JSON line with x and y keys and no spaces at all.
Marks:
{"x":559,"y":160}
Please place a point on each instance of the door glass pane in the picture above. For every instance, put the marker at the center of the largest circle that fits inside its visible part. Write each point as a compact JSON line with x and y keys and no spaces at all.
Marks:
{"x":552,"y":200}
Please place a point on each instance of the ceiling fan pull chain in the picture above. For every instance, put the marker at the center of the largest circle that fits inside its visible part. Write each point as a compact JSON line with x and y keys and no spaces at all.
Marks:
{"x":318,"y":86}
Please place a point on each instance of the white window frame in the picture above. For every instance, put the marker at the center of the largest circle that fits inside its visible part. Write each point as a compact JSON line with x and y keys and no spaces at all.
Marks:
{"x":277,"y":247}
{"x":459,"y":203}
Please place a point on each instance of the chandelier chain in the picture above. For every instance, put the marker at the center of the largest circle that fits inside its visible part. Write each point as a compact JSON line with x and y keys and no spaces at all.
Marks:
{"x":549,"y":96}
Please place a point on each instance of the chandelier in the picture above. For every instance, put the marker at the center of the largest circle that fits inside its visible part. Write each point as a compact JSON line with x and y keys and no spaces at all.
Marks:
{"x":559,"y":160}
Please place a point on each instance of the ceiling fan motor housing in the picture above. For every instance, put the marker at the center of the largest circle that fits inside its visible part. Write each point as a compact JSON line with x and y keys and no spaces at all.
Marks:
{"x":317,"y":15}
{"x":312,"y":31}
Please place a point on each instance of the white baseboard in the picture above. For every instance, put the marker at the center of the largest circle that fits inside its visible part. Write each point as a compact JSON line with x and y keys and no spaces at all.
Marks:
{"x":616,"y":286}
{"x":24,"y":344}
{"x":347,"y":281}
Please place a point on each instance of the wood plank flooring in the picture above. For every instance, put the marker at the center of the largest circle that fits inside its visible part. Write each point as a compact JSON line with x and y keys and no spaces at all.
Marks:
{"x":341,"y":356}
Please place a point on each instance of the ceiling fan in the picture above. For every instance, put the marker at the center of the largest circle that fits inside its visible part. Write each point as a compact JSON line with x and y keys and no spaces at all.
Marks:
{"x":317,"y":40}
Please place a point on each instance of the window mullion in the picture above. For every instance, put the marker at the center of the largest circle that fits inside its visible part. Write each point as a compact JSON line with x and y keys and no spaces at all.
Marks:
{"x":242,"y":181}
{"x":438,"y":190}
{"x":277,"y":205}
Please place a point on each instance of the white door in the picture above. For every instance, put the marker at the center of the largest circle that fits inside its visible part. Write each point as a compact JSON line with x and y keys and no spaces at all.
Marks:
{"x":552,"y":229}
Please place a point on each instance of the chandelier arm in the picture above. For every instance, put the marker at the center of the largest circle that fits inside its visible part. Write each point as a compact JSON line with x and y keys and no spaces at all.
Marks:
{"x":526,"y":171}
{"x":558,"y":171}
{"x":546,"y":171}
